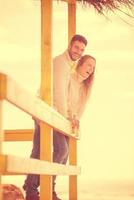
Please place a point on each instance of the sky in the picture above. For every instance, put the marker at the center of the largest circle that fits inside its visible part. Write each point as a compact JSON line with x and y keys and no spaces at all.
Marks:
{"x":106,"y":147}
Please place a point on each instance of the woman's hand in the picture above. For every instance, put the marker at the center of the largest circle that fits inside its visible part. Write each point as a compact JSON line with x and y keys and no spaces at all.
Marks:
{"x":75,"y":123}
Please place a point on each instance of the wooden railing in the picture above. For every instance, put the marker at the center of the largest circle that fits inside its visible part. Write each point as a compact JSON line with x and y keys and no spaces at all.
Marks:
{"x":10,"y":164}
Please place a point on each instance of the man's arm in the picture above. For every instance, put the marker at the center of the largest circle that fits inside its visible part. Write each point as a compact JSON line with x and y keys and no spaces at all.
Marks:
{"x":61,"y":75}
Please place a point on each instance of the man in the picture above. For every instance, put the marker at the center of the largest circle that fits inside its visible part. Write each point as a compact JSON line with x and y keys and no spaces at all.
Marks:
{"x":62,"y":66}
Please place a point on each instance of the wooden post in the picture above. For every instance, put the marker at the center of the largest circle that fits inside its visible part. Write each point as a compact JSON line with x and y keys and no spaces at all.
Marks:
{"x":71,"y":18}
{"x":45,"y":92}
{"x":2,"y":96}
{"x":1,"y":125}
{"x":1,"y":141}
{"x":72,"y":161}
{"x":72,"y":141}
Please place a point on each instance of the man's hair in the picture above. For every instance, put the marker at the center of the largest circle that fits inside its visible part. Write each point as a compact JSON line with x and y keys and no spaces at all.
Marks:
{"x":79,"y":38}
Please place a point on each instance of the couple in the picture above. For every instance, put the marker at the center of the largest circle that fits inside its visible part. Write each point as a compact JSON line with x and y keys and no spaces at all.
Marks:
{"x":73,"y":76}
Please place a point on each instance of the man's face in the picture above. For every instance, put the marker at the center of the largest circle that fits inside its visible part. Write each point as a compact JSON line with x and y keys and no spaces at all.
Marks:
{"x":76,"y":50}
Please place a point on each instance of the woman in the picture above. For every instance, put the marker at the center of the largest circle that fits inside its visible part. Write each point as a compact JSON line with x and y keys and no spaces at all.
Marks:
{"x":80,"y":88}
{"x":78,"y":92}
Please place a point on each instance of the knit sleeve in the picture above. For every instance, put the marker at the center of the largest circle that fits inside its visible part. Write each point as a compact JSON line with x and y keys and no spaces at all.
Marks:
{"x":61,"y":75}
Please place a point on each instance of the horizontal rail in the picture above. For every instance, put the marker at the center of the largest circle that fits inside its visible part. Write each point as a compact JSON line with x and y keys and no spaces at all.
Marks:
{"x":21,"y":165}
{"x":18,"y":135}
{"x":34,"y":106}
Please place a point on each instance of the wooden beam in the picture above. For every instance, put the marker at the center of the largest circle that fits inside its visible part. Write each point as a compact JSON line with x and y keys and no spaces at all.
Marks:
{"x":46,"y":51}
{"x":46,"y":93}
{"x":5,"y":173}
{"x":71,"y":18}
{"x":2,"y":166}
{"x":18,"y":135}
{"x":73,"y":161}
{"x":16,"y":164}
{"x":72,"y":142}
{"x":34,"y":106}
{"x":3,"y":86}
{"x":3,"y":163}
{"x":71,"y":1}
{"x":46,"y":154}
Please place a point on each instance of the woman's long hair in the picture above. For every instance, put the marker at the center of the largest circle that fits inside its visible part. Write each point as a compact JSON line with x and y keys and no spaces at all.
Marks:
{"x":89,"y":81}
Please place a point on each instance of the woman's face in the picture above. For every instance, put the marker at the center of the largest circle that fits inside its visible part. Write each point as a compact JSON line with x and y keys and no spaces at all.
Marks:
{"x":87,"y":68}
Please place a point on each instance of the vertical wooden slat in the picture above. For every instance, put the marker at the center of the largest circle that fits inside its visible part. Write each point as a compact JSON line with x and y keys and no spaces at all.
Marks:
{"x":3,"y":90}
{"x":3,"y":86}
{"x":45,"y":92}
{"x":1,"y":126}
{"x":46,"y":154}
{"x":71,"y":18}
{"x":72,"y":161}
{"x":72,"y":141}
{"x":1,"y":140}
